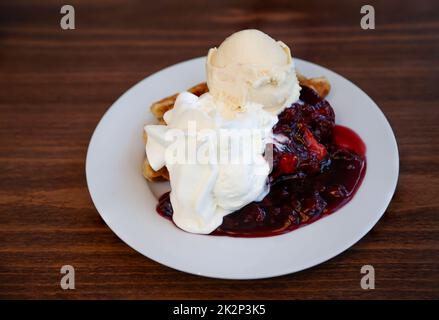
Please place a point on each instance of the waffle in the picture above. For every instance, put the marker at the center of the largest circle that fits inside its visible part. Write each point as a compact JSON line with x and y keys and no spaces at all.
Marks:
{"x":321,"y":85}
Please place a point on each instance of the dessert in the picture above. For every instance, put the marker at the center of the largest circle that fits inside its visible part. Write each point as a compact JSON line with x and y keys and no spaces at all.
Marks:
{"x":301,"y":168}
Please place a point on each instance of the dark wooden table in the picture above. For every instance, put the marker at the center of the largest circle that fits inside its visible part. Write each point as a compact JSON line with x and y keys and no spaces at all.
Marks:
{"x":55,"y":85}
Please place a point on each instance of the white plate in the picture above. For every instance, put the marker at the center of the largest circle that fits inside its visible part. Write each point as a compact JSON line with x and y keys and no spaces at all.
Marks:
{"x":126,"y":203}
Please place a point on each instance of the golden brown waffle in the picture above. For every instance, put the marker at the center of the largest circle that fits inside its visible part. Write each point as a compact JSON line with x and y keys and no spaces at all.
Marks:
{"x":152,"y":175}
{"x":321,"y":85}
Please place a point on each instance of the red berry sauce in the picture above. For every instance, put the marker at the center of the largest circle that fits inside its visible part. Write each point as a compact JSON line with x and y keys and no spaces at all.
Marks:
{"x":316,"y":170}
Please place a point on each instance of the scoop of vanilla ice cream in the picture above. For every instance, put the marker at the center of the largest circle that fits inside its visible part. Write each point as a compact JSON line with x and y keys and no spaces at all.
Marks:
{"x":251,"y":67}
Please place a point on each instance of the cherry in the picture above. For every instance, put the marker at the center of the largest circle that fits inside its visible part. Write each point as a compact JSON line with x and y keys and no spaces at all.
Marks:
{"x":313,"y":145}
{"x":288,"y":163}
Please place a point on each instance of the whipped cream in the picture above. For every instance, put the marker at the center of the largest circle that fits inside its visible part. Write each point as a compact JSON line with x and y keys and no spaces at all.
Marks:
{"x":221,"y":178}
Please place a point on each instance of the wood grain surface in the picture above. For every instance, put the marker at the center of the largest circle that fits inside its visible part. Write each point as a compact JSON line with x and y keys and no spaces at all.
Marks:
{"x":55,"y":85}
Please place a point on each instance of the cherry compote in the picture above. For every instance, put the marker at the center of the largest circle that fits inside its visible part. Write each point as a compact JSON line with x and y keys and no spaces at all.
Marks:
{"x":317,"y":168}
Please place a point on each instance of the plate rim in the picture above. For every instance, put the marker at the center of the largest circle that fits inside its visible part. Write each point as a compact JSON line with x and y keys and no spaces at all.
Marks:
{"x":317,"y":261}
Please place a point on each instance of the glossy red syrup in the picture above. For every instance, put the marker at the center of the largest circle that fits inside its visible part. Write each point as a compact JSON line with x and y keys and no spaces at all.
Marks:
{"x":316,"y":171}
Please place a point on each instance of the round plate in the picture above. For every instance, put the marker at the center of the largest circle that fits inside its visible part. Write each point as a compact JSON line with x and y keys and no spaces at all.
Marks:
{"x":127,"y":204}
